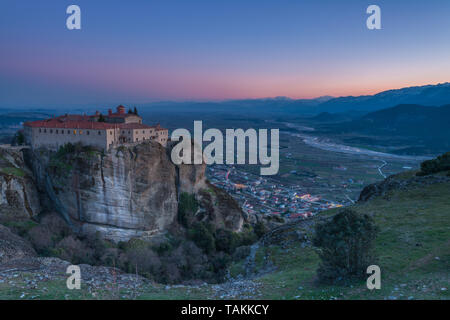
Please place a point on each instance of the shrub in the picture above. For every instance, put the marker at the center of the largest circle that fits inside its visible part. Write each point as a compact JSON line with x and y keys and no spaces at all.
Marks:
{"x":187,"y":206}
{"x":247,"y":237}
{"x":226,"y":240}
{"x":74,"y":250}
{"x":260,"y":229}
{"x":164,"y":248}
{"x":220,"y":261}
{"x":56,"y":224}
{"x":50,"y":231}
{"x":143,"y":260}
{"x":101,"y":118}
{"x":202,"y":236}
{"x":346,"y":245}
{"x":110,"y":257}
{"x":20,"y":227}
{"x":67,"y":148}
{"x":41,"y":239}
{"x":441,"y":163}
{"x":19,"y":138}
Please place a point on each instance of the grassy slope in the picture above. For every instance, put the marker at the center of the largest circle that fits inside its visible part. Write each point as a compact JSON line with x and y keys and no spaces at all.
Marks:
{"x":413,"y":249}
{"x":415,"y":229}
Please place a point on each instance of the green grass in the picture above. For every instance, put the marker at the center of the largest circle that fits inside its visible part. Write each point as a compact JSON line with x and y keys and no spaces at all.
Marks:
{"x":13,"y":171}
{"x":415,"y":229}
{"x":21,"y":227}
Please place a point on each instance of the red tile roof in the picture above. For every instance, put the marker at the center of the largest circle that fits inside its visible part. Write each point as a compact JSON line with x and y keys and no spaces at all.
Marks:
{"x":72,"y":124}
{"x":84,"y":122}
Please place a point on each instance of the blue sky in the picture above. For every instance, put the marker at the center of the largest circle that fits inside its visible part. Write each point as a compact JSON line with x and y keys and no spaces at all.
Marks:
{"x":141,"y":51}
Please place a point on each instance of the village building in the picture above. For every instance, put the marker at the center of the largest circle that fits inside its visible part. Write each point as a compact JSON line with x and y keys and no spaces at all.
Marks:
{"x":100,"y":131}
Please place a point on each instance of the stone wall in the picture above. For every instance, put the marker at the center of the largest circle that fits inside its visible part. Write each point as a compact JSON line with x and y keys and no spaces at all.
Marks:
{"x":53,"y":138}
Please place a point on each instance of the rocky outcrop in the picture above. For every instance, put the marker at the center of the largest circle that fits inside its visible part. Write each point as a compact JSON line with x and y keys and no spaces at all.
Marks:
{"x":219,"y":208}
{"x":398,"y":182}
{"x":130,"y":191}
{"x":13,"y":248}
{"x":19,"y":198}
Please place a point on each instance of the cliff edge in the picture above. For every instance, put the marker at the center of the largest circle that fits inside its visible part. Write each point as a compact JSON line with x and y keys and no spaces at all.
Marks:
{"x":127,"y":192}
{"x":19,"y":199}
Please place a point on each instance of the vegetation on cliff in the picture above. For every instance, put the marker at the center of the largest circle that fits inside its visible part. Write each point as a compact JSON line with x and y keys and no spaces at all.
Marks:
{"x":198,"y":253}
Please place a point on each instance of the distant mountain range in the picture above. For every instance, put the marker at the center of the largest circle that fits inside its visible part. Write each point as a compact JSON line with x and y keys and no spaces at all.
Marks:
{"x":405,"y":119}
{"x":429,"y":95}
{"x":425,"y":128}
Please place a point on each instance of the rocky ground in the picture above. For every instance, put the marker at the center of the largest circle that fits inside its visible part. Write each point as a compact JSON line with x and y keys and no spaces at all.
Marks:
{"x":37,"y":278}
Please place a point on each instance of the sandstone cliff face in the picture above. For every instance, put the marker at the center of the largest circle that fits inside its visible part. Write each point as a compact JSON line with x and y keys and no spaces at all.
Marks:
{"x":127,"y":192}
{"x":18,"y":194}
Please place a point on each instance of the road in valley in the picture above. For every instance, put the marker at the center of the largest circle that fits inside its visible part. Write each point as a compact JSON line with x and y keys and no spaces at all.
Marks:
{"x":381,"y":167}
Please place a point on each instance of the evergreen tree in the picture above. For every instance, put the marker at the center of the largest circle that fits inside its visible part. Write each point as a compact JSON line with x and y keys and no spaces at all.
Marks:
{"x":135,"y":111}
{"x":439,"y":164}
{"x":345,"y":245}
{"x":101,"y":118}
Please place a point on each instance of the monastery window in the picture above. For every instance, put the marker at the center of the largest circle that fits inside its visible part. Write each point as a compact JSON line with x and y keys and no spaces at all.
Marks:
{"x":110,"y":133}
{"x":81,"y":132}
{"x":123,"y":132}
{"x":87,"y":132}
{"x":143,"y":131}
{"x":99,"y":133}
{"x":137,"y":139}
{"x":56,"y":131}
{"x":40,"y":130}
{"x":74,"y":131}
{"x":45,"y":130}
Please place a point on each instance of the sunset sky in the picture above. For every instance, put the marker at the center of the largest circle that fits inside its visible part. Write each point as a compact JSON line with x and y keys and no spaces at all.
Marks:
{"x":143,"y":51}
